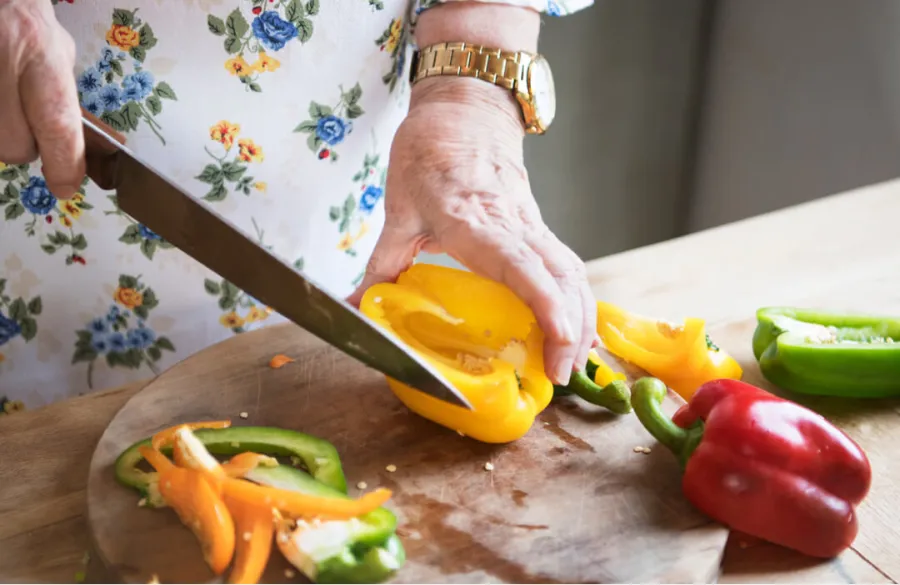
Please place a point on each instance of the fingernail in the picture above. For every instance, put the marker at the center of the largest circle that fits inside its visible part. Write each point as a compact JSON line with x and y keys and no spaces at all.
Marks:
{"x":65,"y":192}
{"x":563,"y":373}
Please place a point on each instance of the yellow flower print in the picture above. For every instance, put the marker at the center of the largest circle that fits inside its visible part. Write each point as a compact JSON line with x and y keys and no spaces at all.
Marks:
{"x":265,"y":63}
{"x":394,"y":38}
{"x":78,"y":198}
{"x":13,"y":406}
{"x":256,"y":314}
{"x":128,"y":297}
{"x":224,"y":132}
{"x":231,"y":320}
{"x":260,"y":186}
{"x":70,"y":208}
{"x":123,"y":37}
{"x":346,"y":243}
{"x":250,"y":151}
{"x":237,"y":66}
{"x":66,"y":221}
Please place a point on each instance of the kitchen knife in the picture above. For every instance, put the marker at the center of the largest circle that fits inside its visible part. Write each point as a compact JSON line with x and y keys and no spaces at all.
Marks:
{"x":193,"y":227}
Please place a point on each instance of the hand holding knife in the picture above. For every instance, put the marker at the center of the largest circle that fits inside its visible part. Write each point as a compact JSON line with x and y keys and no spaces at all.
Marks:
{"x":197,"y":230}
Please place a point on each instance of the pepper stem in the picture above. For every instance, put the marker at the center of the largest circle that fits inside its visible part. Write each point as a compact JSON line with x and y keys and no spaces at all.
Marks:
{"x":615,"y":396}
{"x":647,"y":395}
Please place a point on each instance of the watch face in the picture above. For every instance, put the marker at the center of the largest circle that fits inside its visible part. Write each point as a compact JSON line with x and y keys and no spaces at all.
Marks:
{"x":542,"y":89}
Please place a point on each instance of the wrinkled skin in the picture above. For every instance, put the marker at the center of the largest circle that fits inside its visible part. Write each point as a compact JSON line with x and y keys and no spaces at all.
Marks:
{"x":39,"y":111}
{"x":457,"y":184}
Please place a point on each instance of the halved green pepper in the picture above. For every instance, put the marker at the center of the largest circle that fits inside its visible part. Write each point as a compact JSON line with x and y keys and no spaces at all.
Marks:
{"x":360,"y":550}
{"x":318,"y":456}
{"x":828,"y":353}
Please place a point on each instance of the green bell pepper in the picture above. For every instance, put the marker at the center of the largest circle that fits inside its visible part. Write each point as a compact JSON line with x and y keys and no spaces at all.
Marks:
{"x":317,"y":455}
{"x":828,"y":353}
{"x":360,"y":550}
{"x":615,"y":396}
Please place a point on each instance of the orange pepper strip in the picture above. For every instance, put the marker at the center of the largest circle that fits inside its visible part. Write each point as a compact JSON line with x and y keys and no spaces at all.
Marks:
{"x":198,"y":506}
{"x":301,"y":505}
{"x":279,"y":361}
{"x":165,"y":437}
{"x":255,"y":525}
{"x":243,"y":463}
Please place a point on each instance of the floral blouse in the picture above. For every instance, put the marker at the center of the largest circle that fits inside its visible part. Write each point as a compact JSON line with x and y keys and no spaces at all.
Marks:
{"x":280,"y":113}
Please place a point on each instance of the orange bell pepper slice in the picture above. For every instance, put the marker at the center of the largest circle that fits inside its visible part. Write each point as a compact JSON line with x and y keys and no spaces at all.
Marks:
{"x":198,"y":506}
{"x":165,"y":437}
{"x":255,"y":526}
{"x":297,"y":505}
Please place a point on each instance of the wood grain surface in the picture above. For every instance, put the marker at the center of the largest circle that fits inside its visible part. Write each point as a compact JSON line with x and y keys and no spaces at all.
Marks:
{"x":838,"y":252}
{"x":570,"y":502}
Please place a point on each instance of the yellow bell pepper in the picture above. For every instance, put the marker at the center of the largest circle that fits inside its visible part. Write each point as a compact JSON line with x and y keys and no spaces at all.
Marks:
{"x":682,"y":356}
{"x":603,"y":373}
{"x":480,"y":336}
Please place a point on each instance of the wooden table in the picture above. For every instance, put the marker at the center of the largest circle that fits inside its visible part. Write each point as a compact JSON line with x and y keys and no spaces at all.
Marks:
{"x":839,"y":252}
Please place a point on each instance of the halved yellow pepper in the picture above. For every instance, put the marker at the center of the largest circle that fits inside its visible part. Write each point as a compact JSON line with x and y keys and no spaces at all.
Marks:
{"x":682,"y":356}
{"x":480,"y":336}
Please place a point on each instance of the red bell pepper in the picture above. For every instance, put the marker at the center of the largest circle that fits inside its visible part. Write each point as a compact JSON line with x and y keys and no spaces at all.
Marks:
{"x":762,"y":465}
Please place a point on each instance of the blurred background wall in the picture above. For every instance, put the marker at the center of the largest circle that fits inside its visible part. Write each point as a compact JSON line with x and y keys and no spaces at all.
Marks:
{"x":679,"y":115}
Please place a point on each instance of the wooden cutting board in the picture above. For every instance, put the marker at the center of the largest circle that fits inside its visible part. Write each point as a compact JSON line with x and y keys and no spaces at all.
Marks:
{"x":570,"y":502}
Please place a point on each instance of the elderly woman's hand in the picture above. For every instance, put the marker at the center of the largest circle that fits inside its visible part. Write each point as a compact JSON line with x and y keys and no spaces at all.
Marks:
{"x":39,"y":112}
{"x":457,"y":184}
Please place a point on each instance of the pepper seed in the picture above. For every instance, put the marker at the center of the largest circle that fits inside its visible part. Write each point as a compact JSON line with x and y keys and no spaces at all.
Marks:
{"x":246,"y":536}
{"x":362,"y":485}
{"x":244,"y":415}
{"x":391,"y":468}
{"x":489,"y":466}
{"x":289,"y":573}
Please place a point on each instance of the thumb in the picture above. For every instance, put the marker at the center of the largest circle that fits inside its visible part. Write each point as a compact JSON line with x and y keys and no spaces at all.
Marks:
{"x":394,"y":252}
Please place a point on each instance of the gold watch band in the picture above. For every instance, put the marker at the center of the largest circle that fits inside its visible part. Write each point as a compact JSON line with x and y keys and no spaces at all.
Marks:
{"x":504,"y":68}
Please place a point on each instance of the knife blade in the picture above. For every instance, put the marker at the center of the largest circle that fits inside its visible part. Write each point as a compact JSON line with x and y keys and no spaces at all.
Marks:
{"x":193,"y":227}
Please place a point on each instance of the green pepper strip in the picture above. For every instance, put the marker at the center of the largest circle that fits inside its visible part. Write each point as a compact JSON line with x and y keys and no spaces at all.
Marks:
{"x":372,"y":553}
{"x":318,"y":455}
{"x":615,"y":396}
{"x":833,"y":354}
{"x":647,"y":395}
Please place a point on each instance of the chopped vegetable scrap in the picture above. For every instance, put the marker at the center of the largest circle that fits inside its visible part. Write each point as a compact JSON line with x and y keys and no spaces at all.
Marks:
{"x":236,"y":507}
{"x":682,"y":356}
{"x":279,"y":361}
{"x":829,"y":353}
{"x":762,"y":465}
{"x":480,"y":336}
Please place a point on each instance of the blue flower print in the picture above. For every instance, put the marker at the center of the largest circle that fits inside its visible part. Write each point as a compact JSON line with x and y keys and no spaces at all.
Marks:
{"x":117,"y":342}
{"x":141,"y":338}
{"x":106,"y":58}
{"x":553,"y":8}
{"x":36,"y":197}
{"x":91,"y":103}
{"x":8,"y":329}
{"x":100,"y":344}
{"x":272,"y":30}
{"x":89,"y":81}
{"x":138,"y":85}
{"x":369,"y":198}
{"x":331,"y":129}
{"x":98,"y":326}
{"x":111,"y":98}
{"x":147,"y":233}
{"x":113,"y":314}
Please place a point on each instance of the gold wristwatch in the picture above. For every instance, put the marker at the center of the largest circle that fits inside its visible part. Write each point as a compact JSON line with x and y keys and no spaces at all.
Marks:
{"x":526,"y":75}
